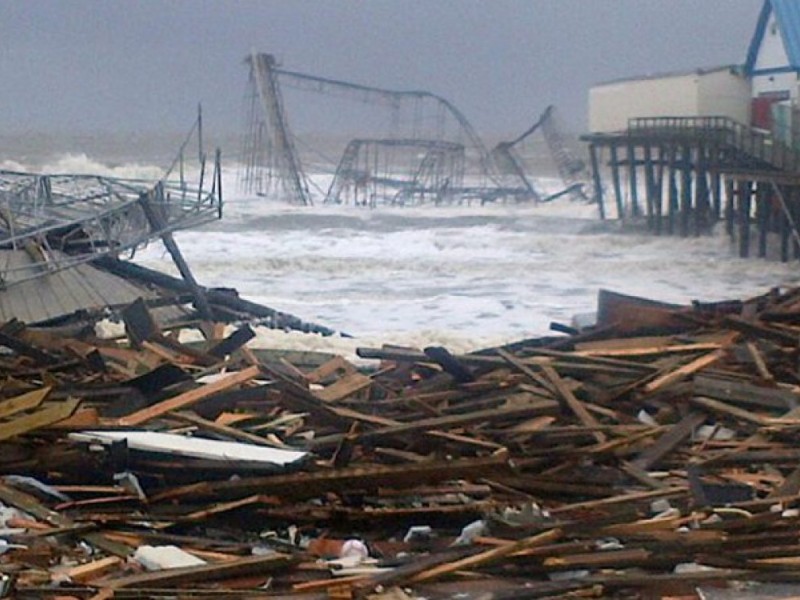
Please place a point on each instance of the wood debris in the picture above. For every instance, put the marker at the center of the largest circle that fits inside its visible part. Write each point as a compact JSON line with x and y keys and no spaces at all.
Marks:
{"x":647,"y":456}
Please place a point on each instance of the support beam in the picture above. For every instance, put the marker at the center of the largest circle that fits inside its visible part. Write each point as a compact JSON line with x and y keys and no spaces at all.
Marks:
{"x":598,"y":186}
{"x":159,"y":226}
{"x":686,"y":190}
{"x":634,"y":185}
{"x":672,"y":195}
{"x":650,"y":186}
{"x":615,"y":179}
{"x":743,"y":214}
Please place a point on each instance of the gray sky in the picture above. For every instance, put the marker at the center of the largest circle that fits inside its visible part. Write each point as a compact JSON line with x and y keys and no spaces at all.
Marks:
{"x":112,"y":65}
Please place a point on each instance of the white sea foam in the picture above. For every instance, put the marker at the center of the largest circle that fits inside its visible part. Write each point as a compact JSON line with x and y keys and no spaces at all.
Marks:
{"x":465,"y":277}
{"x":462,"y":276}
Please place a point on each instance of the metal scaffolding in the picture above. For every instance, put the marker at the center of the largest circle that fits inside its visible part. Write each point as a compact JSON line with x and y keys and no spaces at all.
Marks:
{"x":64,"y":220}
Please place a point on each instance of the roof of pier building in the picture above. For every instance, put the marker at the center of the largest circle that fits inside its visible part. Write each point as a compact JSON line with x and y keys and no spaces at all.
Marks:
{"x":777,"y":18}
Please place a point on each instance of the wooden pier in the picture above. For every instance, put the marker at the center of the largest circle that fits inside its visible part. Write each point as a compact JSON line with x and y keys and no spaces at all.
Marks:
{"x":683,"y":175}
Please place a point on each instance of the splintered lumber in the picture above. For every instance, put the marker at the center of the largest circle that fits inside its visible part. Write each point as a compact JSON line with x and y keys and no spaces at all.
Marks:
{"x":622,"y":499}
{"x":307,"y":485}
{"x":444,"y":435}
{"x":450,"y":364}
{"x":253,"y":565}
{"x":573,"y":403}
{"x":42,"y":417}
{"x":488,"y":557}
{"x":343,"y":387}
{"x":232,"y":343}
{"x":9,"y":339}
{"x":225,"y":430}
{"x":23,"y":402}
{"x":92,"y":570}
{"x":31,"y":505}
{"x":523,"y":368}
{"x":742,"y":391}
{"x":760,"y":330}
{"x":491,"y":472}
{"x":188,"y":398}
{"x":531,"y":409}
{"x":667,"y":442}
{"x":687,"y":369}
{"x":722,"y":408}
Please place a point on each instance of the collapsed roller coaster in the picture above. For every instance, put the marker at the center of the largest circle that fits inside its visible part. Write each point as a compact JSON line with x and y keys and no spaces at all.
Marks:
{"x":419,"y":149}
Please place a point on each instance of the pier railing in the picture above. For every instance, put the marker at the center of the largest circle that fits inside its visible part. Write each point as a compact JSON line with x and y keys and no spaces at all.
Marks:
{"x":721,"y":131}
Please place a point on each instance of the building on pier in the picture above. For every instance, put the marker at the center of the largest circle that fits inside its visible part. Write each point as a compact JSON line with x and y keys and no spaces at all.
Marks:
{"x":681,"y":152}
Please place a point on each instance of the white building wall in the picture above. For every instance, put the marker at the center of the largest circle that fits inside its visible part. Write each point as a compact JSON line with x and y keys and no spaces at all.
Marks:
{"x":612,"y":104}
{"x":714,"y":93}
{"x":723,"y":93}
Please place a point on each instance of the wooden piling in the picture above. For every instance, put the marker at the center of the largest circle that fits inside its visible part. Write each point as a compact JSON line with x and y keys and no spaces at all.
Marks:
{"x":743,"y":212}
{"x":762,"y":198}
{"x":633,"y":180}
{"x":650,"y":186}
{"x":672,"y":194}
{"x":686,"y":190}
{"x":598,"y":186}
{"x":616,"y":181}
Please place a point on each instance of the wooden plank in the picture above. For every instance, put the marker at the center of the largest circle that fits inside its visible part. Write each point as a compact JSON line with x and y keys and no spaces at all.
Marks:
{"x":232,"y":343}
{"x":743,"y":391}
{"x":715,"y":406}
{"x":41,"y":418}
{"x":621,"y":499}
{"x":26,"y":401}
{"x":88,"y":571}
{"x":528,"y":371}
{"x":450,"y":364}
{"x":224,"y":507}
{"x":9,"y":339}
{"x":434,"y":423}
{"x":188,"y":398}
{"x":250,"y":565}
{"x":31,"y":505}
{"x":348,"y":385}
{"x":649,"y":350}
{"x":308,"y":485}
{"x":488,"y":556}
{"x":758,"y":359}
{"x":139,"y":323}
{"x":760,"y":330}
{"x":669,"y":441}
{"x":225,"y":430}
{"x":335,"y":366}
{"x":575,"y":405}
{"x":676,"y":375}
{"x":444,"y":435}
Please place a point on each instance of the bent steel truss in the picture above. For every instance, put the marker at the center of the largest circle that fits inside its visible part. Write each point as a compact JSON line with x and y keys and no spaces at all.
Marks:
{"x":62,"y":221}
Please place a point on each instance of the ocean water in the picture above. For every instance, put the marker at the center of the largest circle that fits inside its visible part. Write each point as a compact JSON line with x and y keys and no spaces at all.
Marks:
{"x":466,"y":277}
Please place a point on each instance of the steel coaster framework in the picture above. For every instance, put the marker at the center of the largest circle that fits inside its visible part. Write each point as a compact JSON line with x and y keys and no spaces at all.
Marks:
{"x":437,"y":131}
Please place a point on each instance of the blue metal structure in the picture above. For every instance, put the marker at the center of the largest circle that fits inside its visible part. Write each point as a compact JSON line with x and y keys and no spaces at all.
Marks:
{"x":787,"y":14}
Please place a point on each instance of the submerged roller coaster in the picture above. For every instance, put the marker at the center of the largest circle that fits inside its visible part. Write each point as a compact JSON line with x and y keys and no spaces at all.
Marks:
{"x":419,"y":149}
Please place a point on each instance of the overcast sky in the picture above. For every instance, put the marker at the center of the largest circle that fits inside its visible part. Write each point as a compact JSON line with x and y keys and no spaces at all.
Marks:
{"x":143,"y":65}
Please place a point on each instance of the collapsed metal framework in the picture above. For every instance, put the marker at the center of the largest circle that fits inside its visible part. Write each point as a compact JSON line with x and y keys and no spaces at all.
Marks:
{"x":511,"y":158}
{"x":427,"y":150}
{"x":435,"y":177}
{"x":64,"y":220}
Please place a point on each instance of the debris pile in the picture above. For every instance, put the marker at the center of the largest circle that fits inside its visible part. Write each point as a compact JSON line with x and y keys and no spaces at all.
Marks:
{"x":647,"y":456}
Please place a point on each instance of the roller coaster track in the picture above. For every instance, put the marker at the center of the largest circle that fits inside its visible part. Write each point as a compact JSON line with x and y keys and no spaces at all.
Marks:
{"x":270,"y":149}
